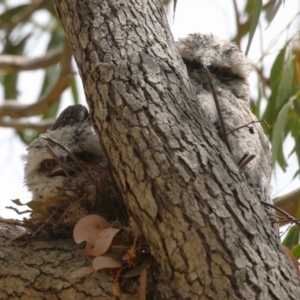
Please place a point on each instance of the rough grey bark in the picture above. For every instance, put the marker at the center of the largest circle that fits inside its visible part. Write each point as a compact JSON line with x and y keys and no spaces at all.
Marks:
{"x":40,"y":269}
{"x":206,"y":230}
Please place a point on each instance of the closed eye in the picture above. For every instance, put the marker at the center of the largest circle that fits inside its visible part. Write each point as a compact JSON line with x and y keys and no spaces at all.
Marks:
{"x":223,"y":74}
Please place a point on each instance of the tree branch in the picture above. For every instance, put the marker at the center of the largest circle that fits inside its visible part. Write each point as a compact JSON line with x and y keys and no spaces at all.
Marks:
{"x":14,"y":109}
{"x":40,"y":126}
{"x":288,"y":203}
{"x":16,"y":63}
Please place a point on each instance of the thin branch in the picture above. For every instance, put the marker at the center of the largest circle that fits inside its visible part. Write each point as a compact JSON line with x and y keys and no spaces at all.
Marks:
{"x":40,"y":126}
{"x":16,"y":63}
{"x":63,"y":165}
{"x":223,"y":130}
{"x":17,"y":211}
{"x":245,"y":160}
{"x":289,"y":218}
{"x":277,"y":39}
{"x":16,"y":110}
{"x":75,"y":159}
{"x":24,"y":15}
{"x":246,"y":125}
{"x":289,"y":202}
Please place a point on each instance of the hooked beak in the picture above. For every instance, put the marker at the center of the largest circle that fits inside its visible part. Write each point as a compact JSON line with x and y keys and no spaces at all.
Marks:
{"x":58,"y":171}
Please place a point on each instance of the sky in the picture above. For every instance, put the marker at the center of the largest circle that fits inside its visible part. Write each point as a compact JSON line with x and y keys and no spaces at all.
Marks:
{"x":205,"y":16}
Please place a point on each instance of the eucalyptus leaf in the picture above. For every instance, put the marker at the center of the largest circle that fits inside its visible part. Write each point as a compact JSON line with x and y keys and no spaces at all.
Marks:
{"x":278,"y":133}
{"x":277,"y":68}
{"x":296,"y":251}
{"x":286,"y":84}
{"x":255,"y":14}
{"x":292,"y":237}
{"x":270,"y":14}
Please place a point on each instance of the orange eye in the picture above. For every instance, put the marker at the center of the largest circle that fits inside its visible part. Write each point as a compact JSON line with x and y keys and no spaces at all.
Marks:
{"x":48,"y":164}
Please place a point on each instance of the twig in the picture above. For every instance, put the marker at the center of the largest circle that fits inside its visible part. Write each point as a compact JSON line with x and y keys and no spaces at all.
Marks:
{"x":243,"y":158}
{"x":288,"y":216}
{"x":246,"y":125}
{"x":17,"y":211}
{"x":43,"y":225}
{"x":62,"y":164}
{"x":244,"y":162}
{"x":223,"y":130}
{"x":75,"y":159}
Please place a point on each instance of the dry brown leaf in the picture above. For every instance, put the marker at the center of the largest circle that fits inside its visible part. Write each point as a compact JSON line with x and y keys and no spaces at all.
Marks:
{"x":88,"y":228}
{"x":18,"y":202}
{"x":103,"y":240}
{"x":102,"y":262}
{"x":42,"y":207}
{"x":293,"y":259}
{"x":117,"y":290}
{"x":35,"y":206}
{"x":82,"y":272}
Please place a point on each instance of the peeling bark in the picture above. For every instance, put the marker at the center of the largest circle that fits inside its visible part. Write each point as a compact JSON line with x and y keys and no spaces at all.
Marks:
{"x":207,"y":231}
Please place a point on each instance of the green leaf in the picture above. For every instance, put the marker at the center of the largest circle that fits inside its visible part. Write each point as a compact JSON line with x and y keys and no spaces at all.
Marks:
{"x":27,"y":137}
{"x":296,"y":251}
{"x":270,"y":113}
{"x":52,"y":111}
{"x":57,"y":39}
{"x":277,"y":68}
{"x":254,"y":22}
{"x":174,"y":8}
{"x":286,"y":84}
{"x":278,"y":134}
{"x":292,"y":237}
{"x":270,"y":14}
{"x":297,"y":173}
{"x":10,"y":86}
{"x":74,"y":91}
{"x":10,"y":81}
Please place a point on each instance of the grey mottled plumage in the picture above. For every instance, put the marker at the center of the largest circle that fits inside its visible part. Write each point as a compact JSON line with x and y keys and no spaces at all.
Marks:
{"x":45,"y":176}
{"x":229,"y":69}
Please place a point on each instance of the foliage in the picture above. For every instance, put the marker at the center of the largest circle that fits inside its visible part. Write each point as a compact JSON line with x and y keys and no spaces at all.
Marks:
{"x":21,"y":31}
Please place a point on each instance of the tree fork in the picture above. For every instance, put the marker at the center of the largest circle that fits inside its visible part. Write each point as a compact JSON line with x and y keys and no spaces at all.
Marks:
{"x":205,"y":228}
{"x":207,"y":231}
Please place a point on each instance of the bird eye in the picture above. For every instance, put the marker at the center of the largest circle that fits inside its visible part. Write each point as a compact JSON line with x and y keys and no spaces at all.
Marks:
{"x":48,"y":164}
{"x":225,"y":74}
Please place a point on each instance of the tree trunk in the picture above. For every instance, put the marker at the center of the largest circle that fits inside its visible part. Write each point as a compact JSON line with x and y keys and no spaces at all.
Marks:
{"x":206,"y":230}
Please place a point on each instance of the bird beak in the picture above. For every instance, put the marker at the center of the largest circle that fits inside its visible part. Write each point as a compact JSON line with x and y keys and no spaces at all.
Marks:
{"x":58,"y":171}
